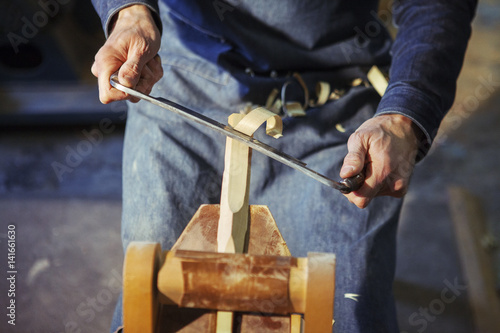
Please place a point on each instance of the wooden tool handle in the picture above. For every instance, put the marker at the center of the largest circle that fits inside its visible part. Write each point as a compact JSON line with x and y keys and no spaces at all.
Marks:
{"x":353,"y":184}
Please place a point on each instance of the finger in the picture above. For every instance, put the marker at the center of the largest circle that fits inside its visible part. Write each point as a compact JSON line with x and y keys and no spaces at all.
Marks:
{"x":131,"y":70}
{"x":355,"y":159}
{"x":398,"y":180}
{"x":107,"y":93}
{"x":156,"y":67}
{"x":382,"y":178}
{"x":147,"y":80}
{"x":93,"y":69}
{"x":376,"y":170}
{"x":152,"y":72}
{"x":363,"y":196}
{"x":102,"y":68}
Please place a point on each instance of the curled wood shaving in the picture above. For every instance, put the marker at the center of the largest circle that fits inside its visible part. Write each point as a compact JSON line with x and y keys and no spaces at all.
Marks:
{"x":295,"y":109}
{"x":357,"y":82}
{"x":340,"y":128}
{"x":271,"y":98}
{"x":257,"y":117}
{"x":354,"y":297}
{"x":378,"y":80}
{"x":336,"y":94}
{"x":274,"y":127}
{"x":322,"y":93}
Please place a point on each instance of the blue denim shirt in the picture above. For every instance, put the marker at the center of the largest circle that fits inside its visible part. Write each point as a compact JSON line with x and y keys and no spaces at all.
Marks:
{"x":284,"y":35}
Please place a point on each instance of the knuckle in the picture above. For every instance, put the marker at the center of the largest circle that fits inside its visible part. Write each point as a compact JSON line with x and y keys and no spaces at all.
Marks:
{"x":105,"y":99}
{"x":132,"y":68}
{"x":399,"y":185}
{"x":141,"y":48}
{"x":356,"y":144}
{"x":354,"y":137}
{"x":143,"y":45}
{"x":159,"y":73}
{"x":103,"y":54}
{"x":351,"y":156}
{"x":362,"y":203}
{"x":98,"y":56}
{"x":395,"y":186}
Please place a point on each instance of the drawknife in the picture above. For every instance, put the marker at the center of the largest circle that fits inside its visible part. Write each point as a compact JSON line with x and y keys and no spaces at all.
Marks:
{"x":345,"y":186}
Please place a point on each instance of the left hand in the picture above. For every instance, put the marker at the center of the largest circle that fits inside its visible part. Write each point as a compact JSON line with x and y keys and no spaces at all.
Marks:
{"x":384,"y":148}
{"x":131,"y":49}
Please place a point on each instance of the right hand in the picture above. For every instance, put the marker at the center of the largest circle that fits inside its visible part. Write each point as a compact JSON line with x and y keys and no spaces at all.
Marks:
{"x":385,"y":147}
{"x":131,"y":49}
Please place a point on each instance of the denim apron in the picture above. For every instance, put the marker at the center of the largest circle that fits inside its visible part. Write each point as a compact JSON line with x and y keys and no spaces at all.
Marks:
{"x":171,"y":167}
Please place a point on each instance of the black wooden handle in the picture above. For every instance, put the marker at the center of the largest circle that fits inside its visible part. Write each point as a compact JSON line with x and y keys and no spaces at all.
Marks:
{"x":352,"y":184}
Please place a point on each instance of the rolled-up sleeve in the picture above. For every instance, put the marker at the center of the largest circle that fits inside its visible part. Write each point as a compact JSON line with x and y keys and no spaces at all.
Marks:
{"x":427,"y":56}
{"x":107,"y":10}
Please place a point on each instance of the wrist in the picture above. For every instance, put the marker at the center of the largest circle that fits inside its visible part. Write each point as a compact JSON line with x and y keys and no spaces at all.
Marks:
{"x":133,"y":15}
{"x":405,"y":127}
{"x":134,"y":10}
{"x":410,"y":124}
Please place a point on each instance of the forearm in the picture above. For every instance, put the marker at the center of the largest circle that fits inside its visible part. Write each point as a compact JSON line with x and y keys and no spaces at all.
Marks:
{"x":107,"y":11}
{"x":427,"y":57}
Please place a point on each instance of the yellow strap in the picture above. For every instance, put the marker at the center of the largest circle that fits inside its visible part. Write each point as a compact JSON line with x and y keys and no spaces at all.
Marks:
{"x":252,"y":121}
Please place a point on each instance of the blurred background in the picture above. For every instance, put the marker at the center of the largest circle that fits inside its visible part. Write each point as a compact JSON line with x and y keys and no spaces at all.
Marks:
{"x":60,"y":181}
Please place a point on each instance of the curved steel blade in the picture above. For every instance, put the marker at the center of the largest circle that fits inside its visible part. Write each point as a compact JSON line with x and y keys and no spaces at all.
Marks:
{"x":345,"y":186}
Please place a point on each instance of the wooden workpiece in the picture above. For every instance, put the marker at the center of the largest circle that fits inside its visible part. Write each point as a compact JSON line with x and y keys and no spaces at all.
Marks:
{"x":233,"y":222}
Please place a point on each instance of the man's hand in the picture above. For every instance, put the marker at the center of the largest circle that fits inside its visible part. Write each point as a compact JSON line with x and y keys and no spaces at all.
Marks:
{"x":384,"y":148}
{"x":132,"y":49}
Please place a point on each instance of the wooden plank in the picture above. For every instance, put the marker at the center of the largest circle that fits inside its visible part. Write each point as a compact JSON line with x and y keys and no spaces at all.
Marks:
{"x":201,"y":232}
{"x":470,"y":227}
{"x":265,"y":239}
{"x":199,"y":235}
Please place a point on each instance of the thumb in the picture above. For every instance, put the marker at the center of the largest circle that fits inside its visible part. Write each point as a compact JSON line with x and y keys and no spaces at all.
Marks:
{"x":130,"y":72}
{"x":354,"y":161}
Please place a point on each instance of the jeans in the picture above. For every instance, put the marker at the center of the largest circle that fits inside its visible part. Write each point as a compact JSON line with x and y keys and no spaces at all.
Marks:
{"x":171,"y":167}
